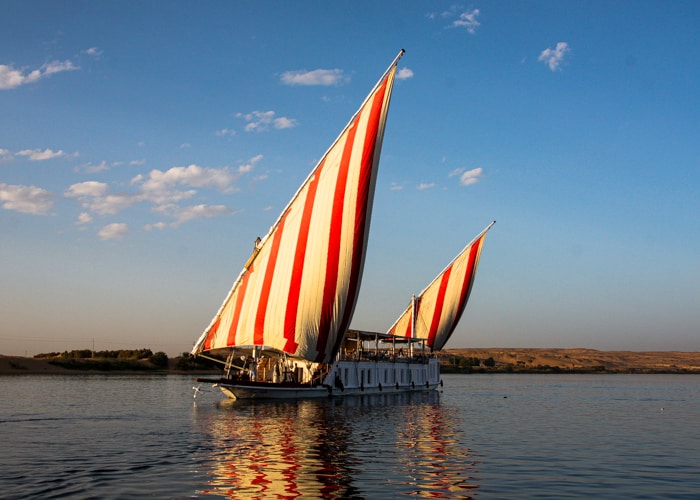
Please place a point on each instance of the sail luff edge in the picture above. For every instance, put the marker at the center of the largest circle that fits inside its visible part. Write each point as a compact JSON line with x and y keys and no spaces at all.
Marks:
{"x":323,"y":157}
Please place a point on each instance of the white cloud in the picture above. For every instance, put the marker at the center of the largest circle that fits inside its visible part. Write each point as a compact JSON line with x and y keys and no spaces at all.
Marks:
{"x":283,"y":122}
{"x":58,"y":67}
{"x":404,"y":74}
{"x":5,"y":155}
{"x":93,"y":52}
{"x":248,"y":167}
{"x":87,"y":188}
{"x":425,"y":185}
{"x":84,"y":218}
{"x":157,"y":225}
{"x":554,"y":57}
{"x":186,"y":214}
{"x":115,"y":231}
{"x":163,"y":190}
{"x":193,"y":175}
{"x":94,"y":196}
{"x":396,"y":186}
{"x":93,"y":169}
{"x":316,"y":77}
{"x":47,"y":154}
{"x":26,"y":199}
{"x":466,"y":19}
{"x":11,"y":78}
{"x":260,"y":121}
{"x":226,"y":132}
{"x":471,"y":176}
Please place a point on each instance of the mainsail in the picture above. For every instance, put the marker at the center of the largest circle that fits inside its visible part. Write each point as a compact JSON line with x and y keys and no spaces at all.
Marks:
{"x":434,"y":314}
{"x":297,"y":292}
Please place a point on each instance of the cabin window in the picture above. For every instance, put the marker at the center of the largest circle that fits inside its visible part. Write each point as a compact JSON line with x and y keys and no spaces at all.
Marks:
{"x":369,"y":377}
{"x":345,"y":377}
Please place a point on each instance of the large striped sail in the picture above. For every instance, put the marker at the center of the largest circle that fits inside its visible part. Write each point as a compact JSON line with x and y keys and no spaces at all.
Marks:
{"x":297,"y":292}
{"x":434,"y":314}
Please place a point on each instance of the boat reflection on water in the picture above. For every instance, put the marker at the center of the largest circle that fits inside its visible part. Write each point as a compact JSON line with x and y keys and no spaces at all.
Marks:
{"x":364,"y":446}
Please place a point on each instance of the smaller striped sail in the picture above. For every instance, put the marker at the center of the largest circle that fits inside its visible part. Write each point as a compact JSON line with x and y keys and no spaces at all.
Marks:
{"x":296,"y":294}
{"x":434,"y":314}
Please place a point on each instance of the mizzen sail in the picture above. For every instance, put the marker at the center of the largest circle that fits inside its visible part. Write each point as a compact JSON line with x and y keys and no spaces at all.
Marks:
{"x":297,"y":292}
{"x":434,"y":314}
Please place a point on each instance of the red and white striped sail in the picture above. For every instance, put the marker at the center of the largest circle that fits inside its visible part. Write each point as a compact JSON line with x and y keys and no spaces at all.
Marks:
{"x":434,"y":314}
{"x":297,"y":293}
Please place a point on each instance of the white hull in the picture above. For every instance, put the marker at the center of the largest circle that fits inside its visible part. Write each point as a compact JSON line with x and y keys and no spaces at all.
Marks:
{"x":345,"y":378}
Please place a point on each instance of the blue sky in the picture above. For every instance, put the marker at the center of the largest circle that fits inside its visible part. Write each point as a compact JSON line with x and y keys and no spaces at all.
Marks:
{"x":145,"y":145}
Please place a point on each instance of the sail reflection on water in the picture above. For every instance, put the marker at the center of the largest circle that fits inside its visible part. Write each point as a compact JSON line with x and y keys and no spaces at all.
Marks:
{"x":361,"y":446}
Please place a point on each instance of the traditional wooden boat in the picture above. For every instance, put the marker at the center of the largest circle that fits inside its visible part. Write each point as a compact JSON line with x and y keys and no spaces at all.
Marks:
{"x":283,"y":328}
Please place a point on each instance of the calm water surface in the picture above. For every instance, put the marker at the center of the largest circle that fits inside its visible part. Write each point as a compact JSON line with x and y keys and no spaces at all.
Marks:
{"x":482,"y":436}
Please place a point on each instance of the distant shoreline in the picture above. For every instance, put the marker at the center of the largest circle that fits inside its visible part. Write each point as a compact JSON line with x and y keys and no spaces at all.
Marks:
{"x":479,"y":360}
{"x":18,"y":365}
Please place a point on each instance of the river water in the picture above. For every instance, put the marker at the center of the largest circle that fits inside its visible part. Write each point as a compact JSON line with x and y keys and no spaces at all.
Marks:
{"x":481,"y":436}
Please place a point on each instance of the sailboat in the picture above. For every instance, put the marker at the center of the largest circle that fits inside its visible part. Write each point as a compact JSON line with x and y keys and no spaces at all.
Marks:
{"x":283,"y":329}
{"x":433,"y":314}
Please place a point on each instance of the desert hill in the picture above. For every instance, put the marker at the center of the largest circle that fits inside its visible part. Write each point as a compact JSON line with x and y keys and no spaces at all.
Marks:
{"x":579,"y":360}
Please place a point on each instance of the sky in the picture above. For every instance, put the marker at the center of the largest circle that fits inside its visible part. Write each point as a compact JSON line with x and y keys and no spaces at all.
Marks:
{"x":145,"y":145}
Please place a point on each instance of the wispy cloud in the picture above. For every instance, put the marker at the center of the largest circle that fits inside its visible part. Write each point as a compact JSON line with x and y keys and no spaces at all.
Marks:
{"x":425,"y":185}
{"x":5,"y":155}
{"x":324,"y":77}
{"x":554,"y":57}
{"x":225,"y":132}
{"x":11,"y":78}
{"x":186,"y":214}
{"x":93,"y":52}
{"x":468,"y":177}
{"x":26,"y":199}
{"x":103,"y":166}
{"x":114,"y":231}
{"x":260,"y":121}
{"x":46,"y":154}
{"x":466,"y":19}
{"x":93,"y":169}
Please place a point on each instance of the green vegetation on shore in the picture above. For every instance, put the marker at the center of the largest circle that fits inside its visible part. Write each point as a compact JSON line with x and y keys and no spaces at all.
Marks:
{"x":138,"y":360}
